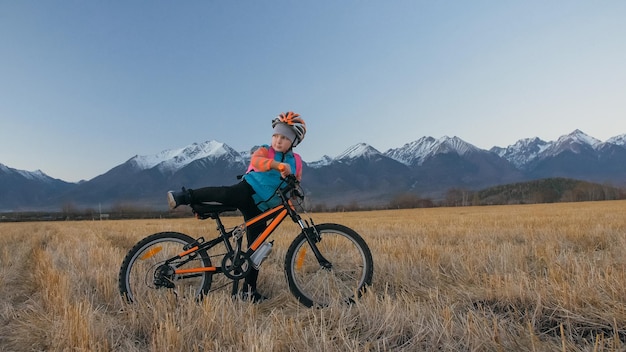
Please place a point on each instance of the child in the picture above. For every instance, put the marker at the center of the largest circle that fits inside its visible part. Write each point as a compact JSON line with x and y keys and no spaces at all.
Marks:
{"x":256,"y":192}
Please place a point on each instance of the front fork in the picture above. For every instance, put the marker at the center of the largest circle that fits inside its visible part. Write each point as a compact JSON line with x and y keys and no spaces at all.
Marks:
{"x":313,"y":237}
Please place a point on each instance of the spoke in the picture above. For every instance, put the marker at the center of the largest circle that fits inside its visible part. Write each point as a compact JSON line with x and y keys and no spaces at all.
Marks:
{"x":338,"y":284}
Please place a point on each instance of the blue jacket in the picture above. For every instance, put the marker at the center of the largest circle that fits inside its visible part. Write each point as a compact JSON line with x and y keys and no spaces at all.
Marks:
{"x":265,"y":183}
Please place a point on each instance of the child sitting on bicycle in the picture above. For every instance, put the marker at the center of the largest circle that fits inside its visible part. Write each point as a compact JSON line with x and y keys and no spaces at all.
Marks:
{"x":256,"y":191}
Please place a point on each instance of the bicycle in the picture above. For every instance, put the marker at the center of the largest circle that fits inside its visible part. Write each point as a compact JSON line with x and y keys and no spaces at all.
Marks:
{"x":325,"y":264}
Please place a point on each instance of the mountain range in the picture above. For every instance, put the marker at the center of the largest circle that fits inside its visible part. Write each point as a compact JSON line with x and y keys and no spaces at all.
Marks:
{"x":428,"y":167}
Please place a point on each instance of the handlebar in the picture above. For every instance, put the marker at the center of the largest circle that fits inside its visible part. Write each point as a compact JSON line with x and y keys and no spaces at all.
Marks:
{"x":292,"y":186}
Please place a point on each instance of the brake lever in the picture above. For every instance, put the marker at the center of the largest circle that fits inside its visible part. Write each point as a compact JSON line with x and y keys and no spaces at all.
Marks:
{"x":296,"y":193}
{"x":292,"y":182}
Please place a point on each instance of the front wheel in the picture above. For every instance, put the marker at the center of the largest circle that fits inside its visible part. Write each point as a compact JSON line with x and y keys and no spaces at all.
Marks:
{"x":145,"y":275}
{"x":345,"y":275}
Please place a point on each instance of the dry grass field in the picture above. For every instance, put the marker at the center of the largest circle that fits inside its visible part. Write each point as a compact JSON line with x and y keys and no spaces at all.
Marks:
{"x":524,"y":278}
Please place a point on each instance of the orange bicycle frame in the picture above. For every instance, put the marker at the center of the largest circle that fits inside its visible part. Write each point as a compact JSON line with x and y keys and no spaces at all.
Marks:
{"x":277,"y":214}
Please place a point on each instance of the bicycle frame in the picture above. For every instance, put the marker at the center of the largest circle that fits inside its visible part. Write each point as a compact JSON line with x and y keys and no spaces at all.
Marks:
{"x":277,"y":214}
{"x":236,"y":264}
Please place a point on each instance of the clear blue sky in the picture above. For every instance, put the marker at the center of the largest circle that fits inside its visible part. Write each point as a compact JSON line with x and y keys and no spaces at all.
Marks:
{"x":86,"y":85}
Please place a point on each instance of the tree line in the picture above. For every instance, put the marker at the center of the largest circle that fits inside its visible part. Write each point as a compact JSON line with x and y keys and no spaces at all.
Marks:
{"x":550,"y":190}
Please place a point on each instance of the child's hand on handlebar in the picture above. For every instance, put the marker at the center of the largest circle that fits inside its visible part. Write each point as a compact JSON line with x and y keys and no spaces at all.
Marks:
{"x":285,"y":169}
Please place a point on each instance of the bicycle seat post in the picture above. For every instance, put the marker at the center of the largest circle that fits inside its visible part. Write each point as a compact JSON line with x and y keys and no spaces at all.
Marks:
{"x":218,"y":222}
{"x":226,"y":238}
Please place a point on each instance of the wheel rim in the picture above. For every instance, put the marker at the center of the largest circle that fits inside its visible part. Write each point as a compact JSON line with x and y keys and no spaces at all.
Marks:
{"x":327,"y":286}
{"x":140,"y":274}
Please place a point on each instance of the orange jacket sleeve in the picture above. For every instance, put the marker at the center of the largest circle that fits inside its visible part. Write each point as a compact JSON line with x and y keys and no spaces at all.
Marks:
{"x":260,"y":160}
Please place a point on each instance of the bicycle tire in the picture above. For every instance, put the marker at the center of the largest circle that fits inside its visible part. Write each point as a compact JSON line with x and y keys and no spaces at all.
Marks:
{"x":352,"y":267}
{"x":138,"y":269}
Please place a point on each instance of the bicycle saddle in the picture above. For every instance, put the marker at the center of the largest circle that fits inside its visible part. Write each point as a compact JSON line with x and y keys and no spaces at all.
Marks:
{"x":210,"y":209}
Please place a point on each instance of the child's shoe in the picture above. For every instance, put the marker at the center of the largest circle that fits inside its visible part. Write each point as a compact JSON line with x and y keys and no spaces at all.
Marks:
{"x":175,"y":199}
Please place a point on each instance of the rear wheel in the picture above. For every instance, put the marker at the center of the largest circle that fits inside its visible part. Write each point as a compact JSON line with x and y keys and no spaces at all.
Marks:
{"x":144,"y":275}
{"x":345,"y":278}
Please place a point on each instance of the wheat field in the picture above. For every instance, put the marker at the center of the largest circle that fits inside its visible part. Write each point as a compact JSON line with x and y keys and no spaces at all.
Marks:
{"x":525,"y":278}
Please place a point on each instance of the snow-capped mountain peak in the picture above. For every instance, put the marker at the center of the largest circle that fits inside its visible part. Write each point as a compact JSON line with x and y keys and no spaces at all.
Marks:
{"x":175,"y":159}
{"x":36,"y":175}
{"x":455,"y":145}
{"x":357,"y":151}
{"x":527,"y":150}
{"x":618,"y":140}
{"x":579,"y":136}
{"x":573,"y":142}
{"x":523,"y":151}
{"x":415,"y":153}
{"x":324,"y":161}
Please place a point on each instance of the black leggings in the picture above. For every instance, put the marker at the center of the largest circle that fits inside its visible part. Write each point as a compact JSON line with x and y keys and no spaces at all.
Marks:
{"x":239,"y":196}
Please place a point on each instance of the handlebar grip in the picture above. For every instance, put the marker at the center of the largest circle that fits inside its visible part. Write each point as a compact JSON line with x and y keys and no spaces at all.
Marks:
{"x":281,"y":167}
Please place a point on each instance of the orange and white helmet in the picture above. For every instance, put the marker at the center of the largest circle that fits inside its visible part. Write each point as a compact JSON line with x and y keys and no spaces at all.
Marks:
{"x":295,"y":122}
